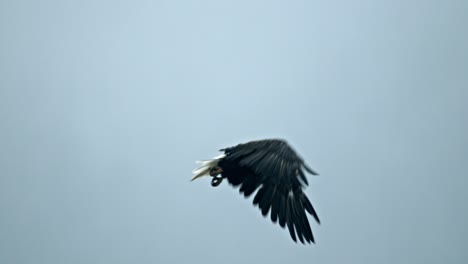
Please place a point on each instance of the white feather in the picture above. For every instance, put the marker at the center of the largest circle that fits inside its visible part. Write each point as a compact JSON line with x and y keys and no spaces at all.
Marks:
{"x":206,"y":166}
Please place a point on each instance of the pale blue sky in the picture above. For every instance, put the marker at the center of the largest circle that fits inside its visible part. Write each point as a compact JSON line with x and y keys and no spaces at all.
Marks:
{"x":105,"y":106}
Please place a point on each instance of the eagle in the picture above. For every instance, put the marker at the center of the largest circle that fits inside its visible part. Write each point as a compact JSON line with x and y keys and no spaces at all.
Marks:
{"x":272,"y":167}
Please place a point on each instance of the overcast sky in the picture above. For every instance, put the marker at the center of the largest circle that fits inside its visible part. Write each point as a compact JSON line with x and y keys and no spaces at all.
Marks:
{"x":106,"y":105}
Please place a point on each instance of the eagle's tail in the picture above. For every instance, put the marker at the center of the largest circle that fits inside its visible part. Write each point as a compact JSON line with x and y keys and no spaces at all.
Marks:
{"x":206,"y":166}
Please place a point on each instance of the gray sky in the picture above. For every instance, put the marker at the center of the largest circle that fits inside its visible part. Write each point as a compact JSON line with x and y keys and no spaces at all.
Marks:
{"x":105,"y":106}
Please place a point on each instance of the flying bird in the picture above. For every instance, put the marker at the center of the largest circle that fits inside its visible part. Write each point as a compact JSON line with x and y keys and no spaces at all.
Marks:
{"x":273,"y":168}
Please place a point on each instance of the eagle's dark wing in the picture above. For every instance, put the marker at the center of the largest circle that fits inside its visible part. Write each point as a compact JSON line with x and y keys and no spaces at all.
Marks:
{"x":276,"y":169}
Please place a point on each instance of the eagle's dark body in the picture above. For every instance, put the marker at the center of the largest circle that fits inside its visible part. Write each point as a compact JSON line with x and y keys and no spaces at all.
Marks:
{"x":274,"y":168}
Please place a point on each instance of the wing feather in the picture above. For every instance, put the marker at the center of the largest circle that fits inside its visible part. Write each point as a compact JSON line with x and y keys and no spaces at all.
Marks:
{"x":274,"y":168}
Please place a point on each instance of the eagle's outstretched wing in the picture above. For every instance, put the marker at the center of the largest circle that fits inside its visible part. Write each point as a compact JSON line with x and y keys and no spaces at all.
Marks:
{"x":274,"y":168}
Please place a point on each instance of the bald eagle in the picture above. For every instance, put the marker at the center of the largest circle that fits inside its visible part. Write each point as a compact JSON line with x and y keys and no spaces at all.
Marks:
{"x":274,"y":168}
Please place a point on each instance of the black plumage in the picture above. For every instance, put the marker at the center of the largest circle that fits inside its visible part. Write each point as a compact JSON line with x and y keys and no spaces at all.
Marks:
{"x":274,"y":169}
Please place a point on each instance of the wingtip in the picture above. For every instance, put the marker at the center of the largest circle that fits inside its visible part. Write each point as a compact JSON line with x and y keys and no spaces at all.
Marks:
{"x":310,"y":170}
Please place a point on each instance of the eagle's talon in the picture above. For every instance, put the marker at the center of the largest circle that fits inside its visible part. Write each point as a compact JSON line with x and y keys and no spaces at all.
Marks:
{"x":215,"y":171}
{"x":216,"y":181}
